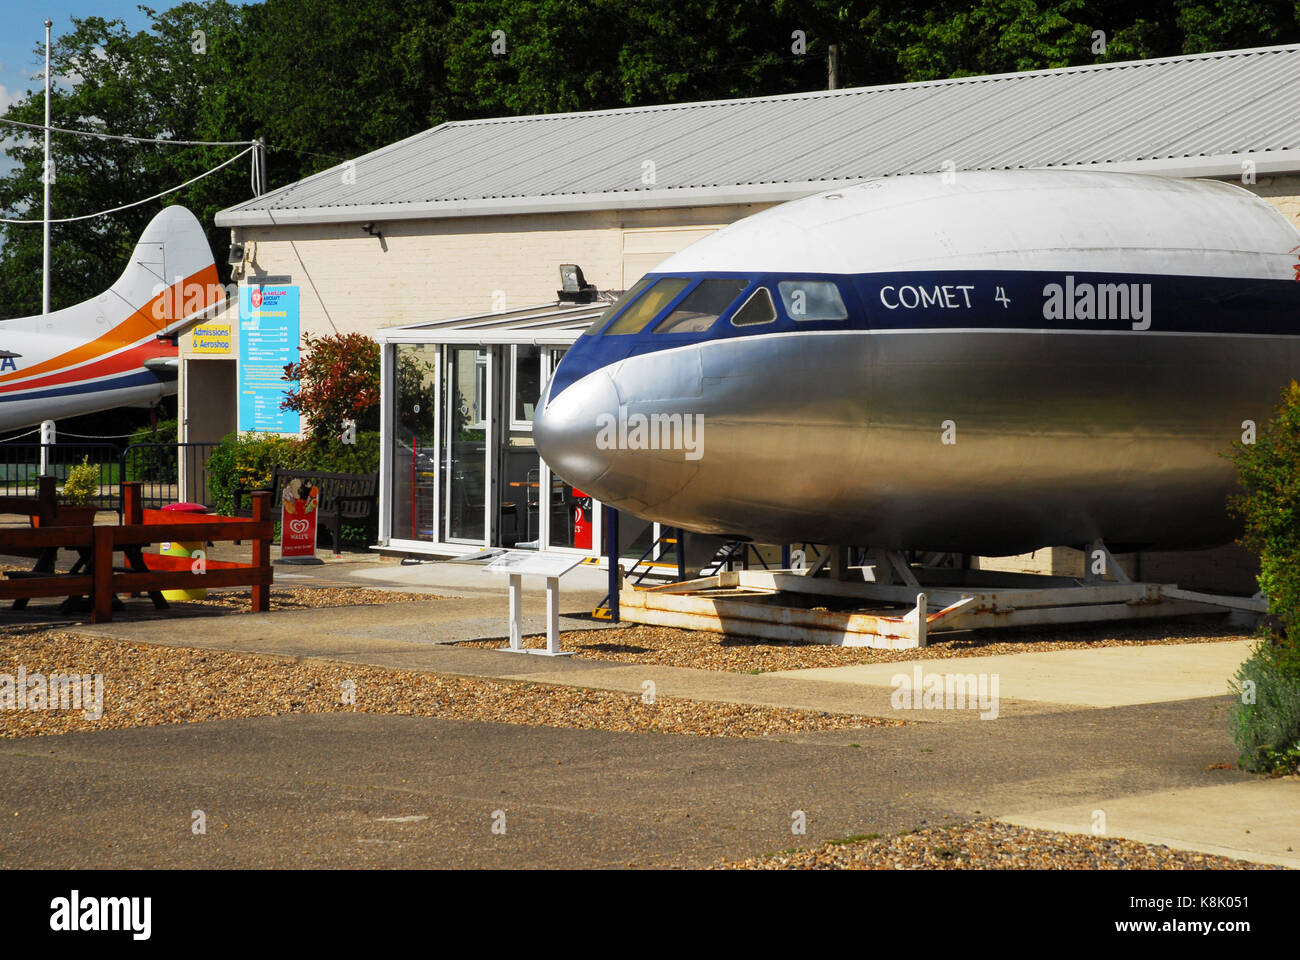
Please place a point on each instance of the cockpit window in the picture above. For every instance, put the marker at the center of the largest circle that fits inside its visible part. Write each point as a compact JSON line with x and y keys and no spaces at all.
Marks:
{"x":617,"y":305}
{"x":635,"y":317}
{"x":812,"y":300}
{"x":757,"y":309}
{"x":702,"y":306}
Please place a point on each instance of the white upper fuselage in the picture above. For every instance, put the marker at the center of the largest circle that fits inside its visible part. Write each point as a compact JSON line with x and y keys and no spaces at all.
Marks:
{"x":1017,"y":220}
{"x":1010,"y":360}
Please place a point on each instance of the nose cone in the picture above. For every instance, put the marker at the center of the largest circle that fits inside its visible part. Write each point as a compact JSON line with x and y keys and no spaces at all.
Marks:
{"x":566,"y":430}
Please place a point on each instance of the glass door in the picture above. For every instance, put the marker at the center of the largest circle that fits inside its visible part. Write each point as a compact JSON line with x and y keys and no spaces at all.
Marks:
{"x":463,"y":466}
{"x":413,"y":438}
{"x":521,"y":488}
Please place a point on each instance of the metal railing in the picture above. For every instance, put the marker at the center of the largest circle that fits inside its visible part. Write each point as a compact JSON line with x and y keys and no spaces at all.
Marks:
{"x":167,"y":472}
{"x":22,"y":463}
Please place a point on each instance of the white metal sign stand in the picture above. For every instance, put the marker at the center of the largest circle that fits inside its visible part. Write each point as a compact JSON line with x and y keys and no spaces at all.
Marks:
{"x":518,"y":564}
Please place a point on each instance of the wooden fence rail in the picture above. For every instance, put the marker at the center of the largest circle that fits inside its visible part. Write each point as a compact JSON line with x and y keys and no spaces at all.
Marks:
{"x":142,"y":572}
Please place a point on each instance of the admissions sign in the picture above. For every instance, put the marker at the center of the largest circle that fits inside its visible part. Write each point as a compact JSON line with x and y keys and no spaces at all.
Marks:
{"x":211,"y":338}
{"x":268,"y":341}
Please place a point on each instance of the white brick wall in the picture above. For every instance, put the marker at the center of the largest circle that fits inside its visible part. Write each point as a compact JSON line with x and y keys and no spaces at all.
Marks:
{"x":435,"y":269}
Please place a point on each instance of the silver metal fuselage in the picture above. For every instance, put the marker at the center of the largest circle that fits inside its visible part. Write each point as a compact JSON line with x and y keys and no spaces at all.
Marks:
{"x":838,"y":438}
{"x":965,"y":437}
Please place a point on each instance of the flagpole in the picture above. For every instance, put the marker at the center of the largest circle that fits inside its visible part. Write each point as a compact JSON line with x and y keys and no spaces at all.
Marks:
{"x":45,"y":278}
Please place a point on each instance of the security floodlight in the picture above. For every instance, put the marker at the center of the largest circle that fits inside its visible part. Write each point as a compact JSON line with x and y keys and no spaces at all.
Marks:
{"x":236,"y":256}
{"x":574,"y":286}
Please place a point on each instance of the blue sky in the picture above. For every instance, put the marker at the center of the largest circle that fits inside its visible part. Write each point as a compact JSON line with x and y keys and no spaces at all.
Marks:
{"x":21,"y":63}
{"x":24,"y":31}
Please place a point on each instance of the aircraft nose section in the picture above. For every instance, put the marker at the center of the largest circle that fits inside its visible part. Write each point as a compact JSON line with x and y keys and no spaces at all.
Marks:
{"x":566,"y":430}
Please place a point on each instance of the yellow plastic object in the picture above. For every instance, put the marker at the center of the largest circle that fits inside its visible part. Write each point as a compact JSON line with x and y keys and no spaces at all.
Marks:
{"x":187,"y":549}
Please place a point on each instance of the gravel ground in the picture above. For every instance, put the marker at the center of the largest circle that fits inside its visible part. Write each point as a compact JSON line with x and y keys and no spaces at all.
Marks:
{"x":987,"y":845}
{"x":674,"y":647}
{"x":146,"y":685}
{"x":298,"y":598}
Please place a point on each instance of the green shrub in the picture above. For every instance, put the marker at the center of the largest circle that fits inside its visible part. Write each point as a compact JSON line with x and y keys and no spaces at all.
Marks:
{"x":246,"y":462}
{"x":1269,"y":506}
{"x":337,"y":380}
{"x":82,"y":484}
{"x":333,"y":455}
{"x":1266,"y":714}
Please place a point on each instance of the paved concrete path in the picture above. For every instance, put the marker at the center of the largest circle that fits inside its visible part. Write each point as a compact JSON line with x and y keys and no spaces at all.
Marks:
{"x":1257,"y":820}
{"x":584,"y":585}
{"x":418,"y":636}
{"x":1105,"y":677}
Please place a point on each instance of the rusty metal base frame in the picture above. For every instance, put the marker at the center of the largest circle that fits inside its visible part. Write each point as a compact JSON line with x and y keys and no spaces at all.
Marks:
{"x":792,"y":605}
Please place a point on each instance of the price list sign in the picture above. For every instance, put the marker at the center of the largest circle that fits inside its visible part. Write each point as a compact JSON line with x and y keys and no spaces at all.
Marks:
{"x":268,"y":341}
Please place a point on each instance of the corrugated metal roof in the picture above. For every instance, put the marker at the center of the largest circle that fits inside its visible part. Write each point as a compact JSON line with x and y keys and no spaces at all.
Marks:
{"x":547,"y":323}
{"x":1189,"y":115}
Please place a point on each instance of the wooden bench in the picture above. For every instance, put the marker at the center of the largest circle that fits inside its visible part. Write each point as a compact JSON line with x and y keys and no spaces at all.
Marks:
{"x":351,"y":498}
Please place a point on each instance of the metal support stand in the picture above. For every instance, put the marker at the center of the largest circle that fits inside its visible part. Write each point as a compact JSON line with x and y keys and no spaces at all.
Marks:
{"x":611,"y":555}
{"x":1111,"y":564}
{"x":552,"y":618}
{"x":964,"y":599}
{"x":918,"y":619}
{"x":902,"y":569}
{"x":516,"y":612}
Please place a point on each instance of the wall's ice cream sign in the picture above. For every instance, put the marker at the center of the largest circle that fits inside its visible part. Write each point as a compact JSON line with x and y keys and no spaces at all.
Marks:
{"x":298,"y":504}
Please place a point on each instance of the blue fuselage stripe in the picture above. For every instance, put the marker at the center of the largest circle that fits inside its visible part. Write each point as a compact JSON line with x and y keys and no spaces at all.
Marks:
{"x":141,"y":379}
{"x":1056,"y":301}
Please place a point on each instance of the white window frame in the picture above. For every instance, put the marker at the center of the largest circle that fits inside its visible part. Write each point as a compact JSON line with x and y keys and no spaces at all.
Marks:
{"x":542,"y":376}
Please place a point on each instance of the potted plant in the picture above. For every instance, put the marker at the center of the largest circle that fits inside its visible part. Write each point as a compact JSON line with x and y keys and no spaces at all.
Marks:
{"x":81,"y":486}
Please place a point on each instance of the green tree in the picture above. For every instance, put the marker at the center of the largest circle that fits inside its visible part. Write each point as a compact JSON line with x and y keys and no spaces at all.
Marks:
{"x":151,"y":83}
{"x":507,"y":58}
{"x":338,"y":380}
{"x":332,"y":79}
{"x":323,"y":81}
{"x":1235,"y":24}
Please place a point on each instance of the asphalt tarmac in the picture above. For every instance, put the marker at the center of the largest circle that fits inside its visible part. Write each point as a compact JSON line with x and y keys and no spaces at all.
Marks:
{"x":351,"y":790}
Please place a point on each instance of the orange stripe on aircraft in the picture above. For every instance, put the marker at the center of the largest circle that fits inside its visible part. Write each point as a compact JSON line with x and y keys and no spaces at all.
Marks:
{"x":140,"y":324}
{"x":132,"y":359}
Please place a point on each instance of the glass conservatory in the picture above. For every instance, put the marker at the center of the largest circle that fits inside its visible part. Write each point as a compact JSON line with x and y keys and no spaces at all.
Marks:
{"x":459,"y":470}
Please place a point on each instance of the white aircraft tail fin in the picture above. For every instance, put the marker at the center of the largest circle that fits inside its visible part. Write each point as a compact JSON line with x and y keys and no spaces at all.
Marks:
{"x":106,"y":351}
{"x":171,"y":274}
